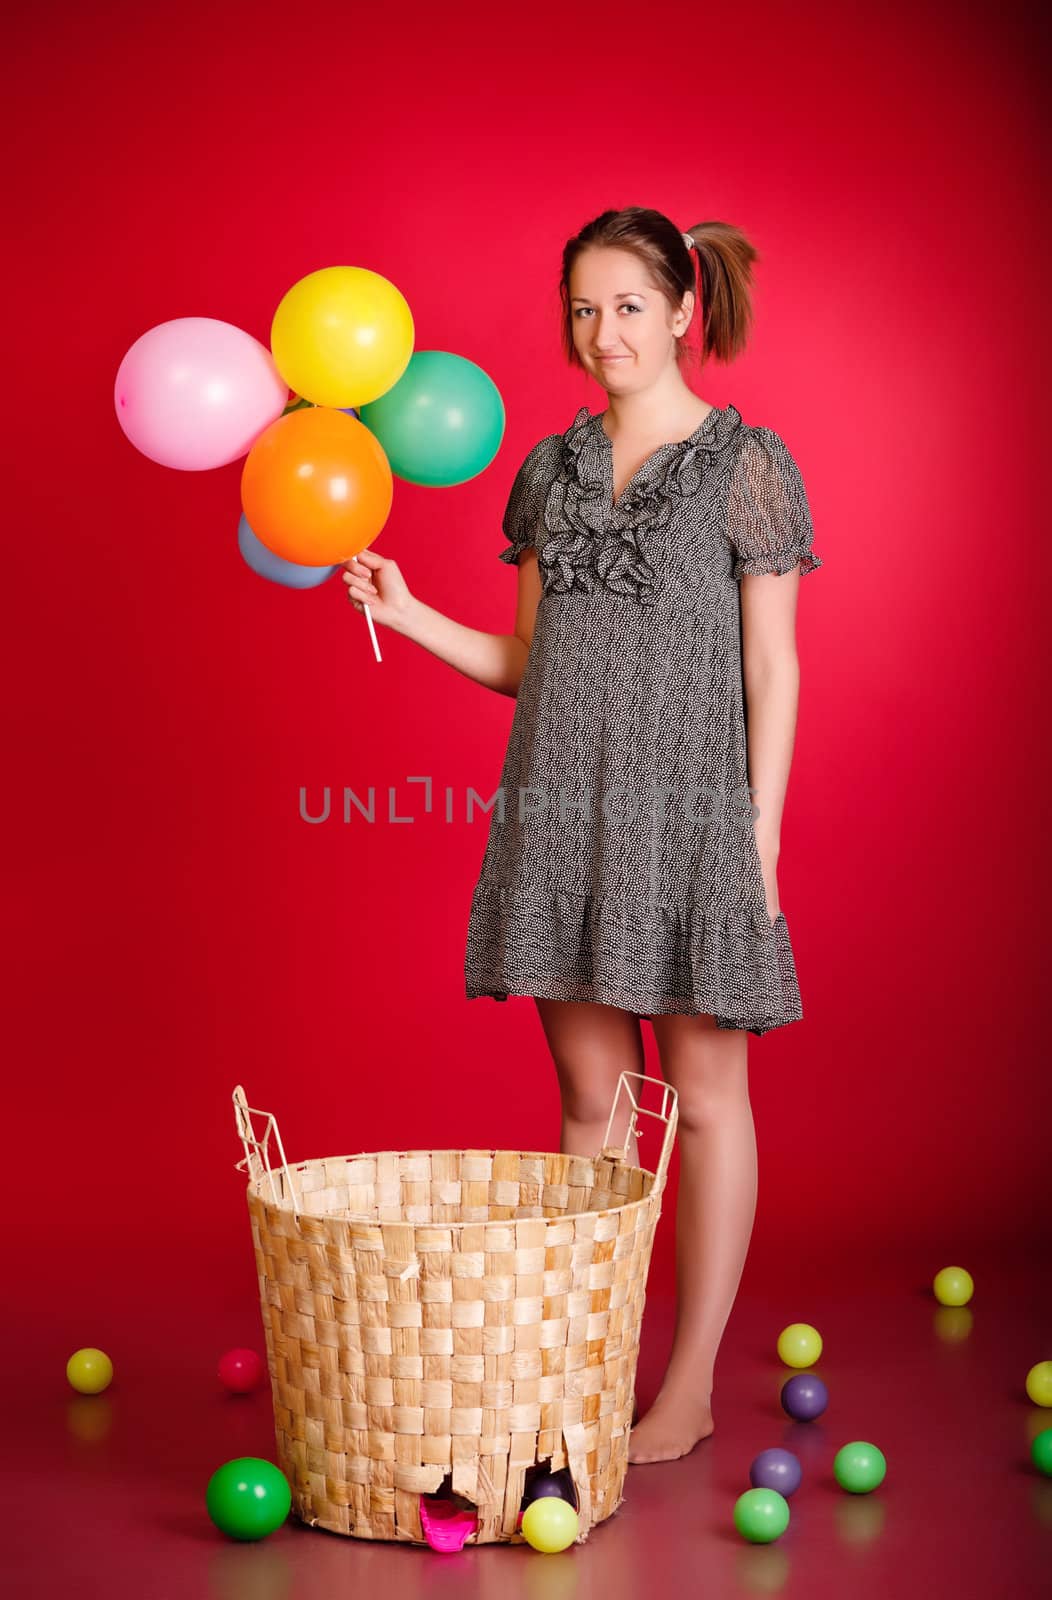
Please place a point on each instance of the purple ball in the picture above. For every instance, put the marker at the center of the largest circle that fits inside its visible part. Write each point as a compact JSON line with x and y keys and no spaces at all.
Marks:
{"x":776,"y":1469}
{"x":551,"y":1484}
{"x":804,"y":1397}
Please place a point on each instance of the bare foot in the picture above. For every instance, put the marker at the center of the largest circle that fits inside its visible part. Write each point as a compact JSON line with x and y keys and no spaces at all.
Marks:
{"x":671,"y":1428}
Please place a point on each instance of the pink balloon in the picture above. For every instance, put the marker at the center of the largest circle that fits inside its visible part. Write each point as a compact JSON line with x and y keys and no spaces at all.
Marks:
{"x":196,"y":393}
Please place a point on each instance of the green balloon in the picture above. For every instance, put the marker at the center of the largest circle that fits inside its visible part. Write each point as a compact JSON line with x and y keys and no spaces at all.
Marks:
{"x":1041,"y":1452}
{"x":859,"y":1467}
{"x":248,"y":1497}
{"x":761,"y":1515}
{"x":441,"y":423}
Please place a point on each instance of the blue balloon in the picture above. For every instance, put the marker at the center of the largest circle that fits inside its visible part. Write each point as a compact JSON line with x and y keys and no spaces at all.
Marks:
{"x":264,"y":561}
{"x":776,"y":1469}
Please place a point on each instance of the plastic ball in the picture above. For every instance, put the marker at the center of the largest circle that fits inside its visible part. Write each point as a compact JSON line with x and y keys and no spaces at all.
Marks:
{"x":549,"y":1524}
{"x":240,"y":1371}
{"x":1039,"y":1383}
{"x":248,"y":1498}
{"x":953,"y":1286}
{"x":761,"y":1515}
{"x":1041,"y":1452}
{"x":804,"y":1397}
{"x":89,"y":1370}
{"x":799,"y":1345}
{"x":552,"y":1485}
{"x":859,"y":1467}
{"x":776,"y":1469}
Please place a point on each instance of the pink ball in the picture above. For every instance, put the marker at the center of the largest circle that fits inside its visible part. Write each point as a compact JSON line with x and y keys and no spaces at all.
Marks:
{"x":240,"y":1371}
{"x":196,"y":393}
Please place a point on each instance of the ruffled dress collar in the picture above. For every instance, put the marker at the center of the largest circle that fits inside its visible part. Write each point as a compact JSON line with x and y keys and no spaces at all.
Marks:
{"x":590,"y":539}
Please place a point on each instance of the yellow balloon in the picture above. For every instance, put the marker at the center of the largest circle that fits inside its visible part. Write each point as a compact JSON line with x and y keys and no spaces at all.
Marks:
{"x":89,"y":1370}
{"x":342,"y":336}
{"x":1039,"y":1383}
{"x":550,"y":1524}
{"x":953,"y":1286}
{"x":799,"y":1345}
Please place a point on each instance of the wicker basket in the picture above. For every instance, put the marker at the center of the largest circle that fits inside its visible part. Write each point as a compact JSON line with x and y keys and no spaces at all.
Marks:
{"x":462,"y":1315}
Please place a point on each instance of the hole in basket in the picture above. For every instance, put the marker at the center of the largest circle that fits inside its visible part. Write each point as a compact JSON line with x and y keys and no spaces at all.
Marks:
{"x":560,"y":1483}
{"x":445,"y":1492}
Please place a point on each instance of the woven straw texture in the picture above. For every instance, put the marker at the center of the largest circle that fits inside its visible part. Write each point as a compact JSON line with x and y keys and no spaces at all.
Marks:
{"x":456,"y":1314}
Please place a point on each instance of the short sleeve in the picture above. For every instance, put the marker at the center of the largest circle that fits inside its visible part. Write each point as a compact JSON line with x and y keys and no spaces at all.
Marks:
{"x":523,"y":515}
{"x":768,"y":516}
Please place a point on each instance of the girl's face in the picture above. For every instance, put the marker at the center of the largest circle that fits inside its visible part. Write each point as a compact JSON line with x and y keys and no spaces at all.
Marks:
{"x":624,"y":329}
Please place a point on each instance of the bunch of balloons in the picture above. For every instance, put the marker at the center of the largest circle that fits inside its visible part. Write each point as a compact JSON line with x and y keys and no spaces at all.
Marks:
{"x":317,"y":483}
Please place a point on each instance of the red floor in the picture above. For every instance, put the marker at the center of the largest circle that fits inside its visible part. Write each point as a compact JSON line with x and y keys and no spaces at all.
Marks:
{"x":108,"y":1492}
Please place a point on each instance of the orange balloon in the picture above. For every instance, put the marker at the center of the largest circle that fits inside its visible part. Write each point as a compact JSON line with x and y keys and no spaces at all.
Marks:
{"x":316,"y":486}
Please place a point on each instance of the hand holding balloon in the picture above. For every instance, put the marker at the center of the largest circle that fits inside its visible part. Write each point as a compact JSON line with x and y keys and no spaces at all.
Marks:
{"x":375,"y":585}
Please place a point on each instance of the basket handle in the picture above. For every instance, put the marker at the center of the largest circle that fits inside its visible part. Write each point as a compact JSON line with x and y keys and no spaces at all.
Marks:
{"x":668,"y":1114}
{"x":257,"y":1153}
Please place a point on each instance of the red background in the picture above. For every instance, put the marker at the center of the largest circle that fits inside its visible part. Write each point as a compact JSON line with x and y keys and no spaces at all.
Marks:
{"x":175,"y":928}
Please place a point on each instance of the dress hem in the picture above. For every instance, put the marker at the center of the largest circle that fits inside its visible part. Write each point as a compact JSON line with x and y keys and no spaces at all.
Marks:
{"x":541,"y":942}
{"x":538,"y":991}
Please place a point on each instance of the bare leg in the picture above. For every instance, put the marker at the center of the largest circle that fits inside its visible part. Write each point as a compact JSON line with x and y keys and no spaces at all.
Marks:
{"x":591,"y":1046}
{"x":708,"y":1067}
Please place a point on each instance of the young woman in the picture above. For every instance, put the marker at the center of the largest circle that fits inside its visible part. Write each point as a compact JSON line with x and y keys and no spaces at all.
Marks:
{"x":633,"y":870}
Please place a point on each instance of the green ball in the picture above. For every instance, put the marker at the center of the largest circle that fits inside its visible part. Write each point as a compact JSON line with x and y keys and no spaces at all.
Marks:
{"x":859,"y":1467}
{"x":1041,"y":1452}
{"x":761,"y":1515}
{"x":248,"y":1497}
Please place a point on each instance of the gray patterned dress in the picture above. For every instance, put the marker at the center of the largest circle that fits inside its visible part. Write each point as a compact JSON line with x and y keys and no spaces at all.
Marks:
{"x":621,"y":864}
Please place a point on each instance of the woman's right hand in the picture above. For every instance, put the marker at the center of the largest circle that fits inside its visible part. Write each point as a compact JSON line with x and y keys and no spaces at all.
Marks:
{"x":377,"y":582}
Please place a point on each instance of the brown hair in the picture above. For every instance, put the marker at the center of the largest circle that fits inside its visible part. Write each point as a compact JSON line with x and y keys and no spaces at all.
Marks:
{"x":722,"y":258}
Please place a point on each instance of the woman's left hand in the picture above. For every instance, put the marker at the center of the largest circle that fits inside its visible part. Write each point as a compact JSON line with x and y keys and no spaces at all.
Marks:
{"x":769,"y":866}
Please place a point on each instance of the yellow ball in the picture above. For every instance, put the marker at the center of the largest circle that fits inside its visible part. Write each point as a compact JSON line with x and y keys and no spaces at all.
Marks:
{"x":342,"y":336}
{"x":799,"y":1345}
{"x":89,"y":1370}
{"x":1039,"y":1383}
{"x":550,"y":1524}
{"x":953,"y":1286}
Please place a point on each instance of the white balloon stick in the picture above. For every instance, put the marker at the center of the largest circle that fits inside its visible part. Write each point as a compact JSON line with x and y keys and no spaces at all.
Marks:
{"x":372,"y":632}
